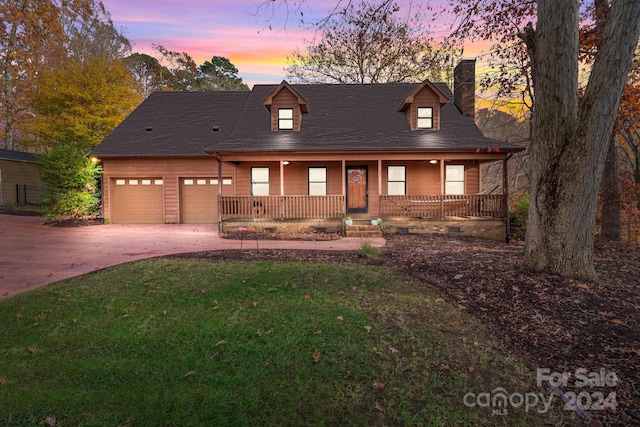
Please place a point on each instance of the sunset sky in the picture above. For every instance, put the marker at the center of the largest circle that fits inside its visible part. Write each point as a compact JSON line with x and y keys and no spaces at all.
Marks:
{"x":230,"y":28}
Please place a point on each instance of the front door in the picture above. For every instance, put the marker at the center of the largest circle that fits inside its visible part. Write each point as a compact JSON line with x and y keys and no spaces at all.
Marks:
{"x":356,"y":189}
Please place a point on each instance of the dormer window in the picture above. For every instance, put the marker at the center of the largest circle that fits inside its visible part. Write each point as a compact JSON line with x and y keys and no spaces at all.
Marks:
{"x":285,"y":118}
{"x":422,"y":107}
{"x":286,"y":107}
{"x":425,"y":118}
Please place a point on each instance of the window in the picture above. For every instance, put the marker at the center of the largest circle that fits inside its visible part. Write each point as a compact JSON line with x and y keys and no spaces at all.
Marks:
{"x":425,"y":117}
{"x":454,"y":179}
{"x":285,"y":118}
{"x":317,"y":181}
{"x":259,"y":181}
{"x":396,"y":180}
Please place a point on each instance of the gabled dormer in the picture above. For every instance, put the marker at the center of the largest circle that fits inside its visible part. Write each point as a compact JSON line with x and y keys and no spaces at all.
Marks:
{"x":286,"y":106}
{"x":422,"y":107}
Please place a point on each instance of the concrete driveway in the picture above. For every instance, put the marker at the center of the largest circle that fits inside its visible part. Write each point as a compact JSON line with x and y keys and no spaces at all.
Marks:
{"x":34,"y":255}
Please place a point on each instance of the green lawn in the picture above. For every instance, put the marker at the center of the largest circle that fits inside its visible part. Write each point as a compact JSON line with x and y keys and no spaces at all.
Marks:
{"x":197,"y":342}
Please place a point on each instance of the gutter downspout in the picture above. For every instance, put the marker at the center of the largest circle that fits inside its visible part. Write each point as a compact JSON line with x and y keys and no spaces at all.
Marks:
{"x":505,"y":184}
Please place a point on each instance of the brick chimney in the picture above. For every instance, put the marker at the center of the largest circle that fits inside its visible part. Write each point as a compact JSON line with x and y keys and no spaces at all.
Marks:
{"x":464,"y":86}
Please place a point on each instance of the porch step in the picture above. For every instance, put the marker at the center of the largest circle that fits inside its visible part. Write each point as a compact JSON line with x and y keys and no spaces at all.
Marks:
{"x":361,"y":230}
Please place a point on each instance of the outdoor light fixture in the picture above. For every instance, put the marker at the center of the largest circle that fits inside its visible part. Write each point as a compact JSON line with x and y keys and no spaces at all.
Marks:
{"x":215,"y":128}
{"x":433,"y":162}
{"x":286,"y":162}
{"x":149,"y":128}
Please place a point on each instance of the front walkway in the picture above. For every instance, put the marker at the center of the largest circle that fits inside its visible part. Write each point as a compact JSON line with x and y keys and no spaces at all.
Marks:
{"x":34,"y":255}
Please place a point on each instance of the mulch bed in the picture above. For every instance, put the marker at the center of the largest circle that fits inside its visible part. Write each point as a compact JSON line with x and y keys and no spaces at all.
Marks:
{"x":551,"y":322}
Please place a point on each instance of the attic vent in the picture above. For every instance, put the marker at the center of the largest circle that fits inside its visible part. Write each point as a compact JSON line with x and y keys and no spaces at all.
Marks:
{"x":149,"y":128}
{"x":215,"y":128}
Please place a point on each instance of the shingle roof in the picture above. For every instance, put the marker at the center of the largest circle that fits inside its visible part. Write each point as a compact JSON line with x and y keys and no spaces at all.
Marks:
{"x":340,"y":117}
{"x":175,"y":124}
{"x":18,"y":156}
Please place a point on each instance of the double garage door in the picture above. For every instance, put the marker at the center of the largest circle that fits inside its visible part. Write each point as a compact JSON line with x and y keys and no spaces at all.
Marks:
{"x":143,"y":200}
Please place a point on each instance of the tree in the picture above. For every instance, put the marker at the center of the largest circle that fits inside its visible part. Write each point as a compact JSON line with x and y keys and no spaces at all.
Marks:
{"x":184,"y":75}
{"x":570,"y":140}
{"x":569,"y":137}
{"x":30,"y":34}
{"x":147,"y":72}
{"x":80,"y":103}
{"x":368,"y":43}
{"x":37,"y":36}
{"x":221,"y":74}
{"x":70,"y":178}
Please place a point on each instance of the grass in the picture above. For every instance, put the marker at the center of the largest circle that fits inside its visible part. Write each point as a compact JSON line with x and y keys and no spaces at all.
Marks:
{"x":167,"y":342}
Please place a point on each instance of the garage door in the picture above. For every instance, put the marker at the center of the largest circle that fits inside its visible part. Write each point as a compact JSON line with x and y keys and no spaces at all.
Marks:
{"x":138,"y":200}
{"x":199,"y":199}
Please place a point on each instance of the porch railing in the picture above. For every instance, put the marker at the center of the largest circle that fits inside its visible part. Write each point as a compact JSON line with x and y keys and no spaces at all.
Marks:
{"x":440,"y":206}
{"x":283,"y":207}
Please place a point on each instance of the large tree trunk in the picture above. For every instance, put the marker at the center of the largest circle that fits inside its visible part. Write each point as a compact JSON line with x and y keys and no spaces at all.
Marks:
{"x":570,"y":143}
{"x":611,"y":197}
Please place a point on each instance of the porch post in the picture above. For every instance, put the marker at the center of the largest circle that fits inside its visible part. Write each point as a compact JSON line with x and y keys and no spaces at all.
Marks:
{"x":379,"y":185}
{"x":344,"y":186}
{"x":505,"y":185}
{"x":281,"y":178}
{"x":217,"y":156}
{"x":442,"y":187}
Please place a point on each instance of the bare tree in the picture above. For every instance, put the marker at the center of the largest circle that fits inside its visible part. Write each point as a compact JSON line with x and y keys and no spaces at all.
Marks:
{"x":368,"y":42}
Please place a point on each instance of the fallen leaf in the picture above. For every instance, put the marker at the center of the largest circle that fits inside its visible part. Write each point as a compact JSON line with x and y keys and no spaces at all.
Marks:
{"x":393,"y":350}
{"x":259,"y":333}
{"x":51,"y":421}
{"x":618,"y":322}
{"x":444,"y":367}
{"x":220,"y":342}
{"x":318,"y":331}
{"x":472,"y":368}
{"x":189,"y":373}
{"x":378,"y":407}
{"x":32,"y":349}
{"x":378,"y":385}
{"x":214,"y":355}
{"x":265,"y":364}
{"x":476,"y":343}
{"x":294,"y":285}
{"x":368,"y":328}
{"x":307,"y":296}
{"x":340,"y":318}
{"x":316,"y":356}
{"x":3,"y":380}
{"x":340,"y":292}
{"x":255,"y":303}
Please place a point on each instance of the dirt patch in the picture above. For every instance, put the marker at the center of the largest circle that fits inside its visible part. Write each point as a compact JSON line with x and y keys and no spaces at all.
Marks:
{"x":563,"y":325}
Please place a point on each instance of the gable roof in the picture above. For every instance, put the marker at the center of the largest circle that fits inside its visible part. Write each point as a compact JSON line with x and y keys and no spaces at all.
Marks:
{"x":342,"y":118}
{"x":18,"y":156}
{"x":409,"y":99}
{"x":284,"y":85}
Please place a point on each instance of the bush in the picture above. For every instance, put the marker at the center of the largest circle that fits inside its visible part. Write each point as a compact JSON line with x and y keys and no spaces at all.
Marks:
{"x":71,"y":182}
{"x":518,"y":210}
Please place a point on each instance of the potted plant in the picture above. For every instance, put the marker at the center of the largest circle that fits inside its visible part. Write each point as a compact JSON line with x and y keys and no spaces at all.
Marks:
{"x":348,"y":220}
{"x":378,"y":221}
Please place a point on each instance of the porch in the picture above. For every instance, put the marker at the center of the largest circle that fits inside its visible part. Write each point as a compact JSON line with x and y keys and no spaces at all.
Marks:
{"x":388,"y":207}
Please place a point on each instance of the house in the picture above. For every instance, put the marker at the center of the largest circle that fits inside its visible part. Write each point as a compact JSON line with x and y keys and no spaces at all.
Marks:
{"x":306,"y":156}
{"x":20,"y":178}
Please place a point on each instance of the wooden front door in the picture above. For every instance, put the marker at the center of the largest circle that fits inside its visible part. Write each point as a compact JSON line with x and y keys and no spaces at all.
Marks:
{"x":356,"y":189}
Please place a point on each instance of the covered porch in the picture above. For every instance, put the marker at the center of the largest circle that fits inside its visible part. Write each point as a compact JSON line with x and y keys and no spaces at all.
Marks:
{"x":322,"y":189}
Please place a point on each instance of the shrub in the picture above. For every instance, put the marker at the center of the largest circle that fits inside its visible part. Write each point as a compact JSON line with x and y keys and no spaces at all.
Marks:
{"x":71,"y":182}
{"x":518,"y":210}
